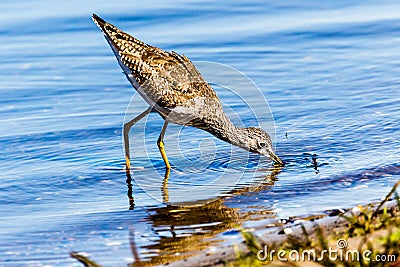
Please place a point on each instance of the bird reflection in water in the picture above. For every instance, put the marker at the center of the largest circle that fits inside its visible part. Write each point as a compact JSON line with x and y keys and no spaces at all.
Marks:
{"x":188,"y":228}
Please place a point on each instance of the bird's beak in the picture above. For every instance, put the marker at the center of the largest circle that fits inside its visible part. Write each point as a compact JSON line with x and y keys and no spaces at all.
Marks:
{"x":276,"y":159}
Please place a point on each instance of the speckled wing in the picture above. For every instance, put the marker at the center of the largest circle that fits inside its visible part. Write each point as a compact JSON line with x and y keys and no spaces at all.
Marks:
{"x":165,"y":78}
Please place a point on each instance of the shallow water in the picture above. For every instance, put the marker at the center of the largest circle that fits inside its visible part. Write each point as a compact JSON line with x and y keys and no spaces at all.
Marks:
{"x":329,"y":72}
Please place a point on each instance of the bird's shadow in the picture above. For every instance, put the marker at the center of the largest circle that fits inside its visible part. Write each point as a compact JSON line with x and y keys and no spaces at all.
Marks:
{"x":269,"y":181}
{"x":187,"y":228}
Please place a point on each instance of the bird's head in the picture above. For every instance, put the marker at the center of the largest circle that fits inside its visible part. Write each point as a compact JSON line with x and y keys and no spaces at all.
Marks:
{"x":261,"y":143}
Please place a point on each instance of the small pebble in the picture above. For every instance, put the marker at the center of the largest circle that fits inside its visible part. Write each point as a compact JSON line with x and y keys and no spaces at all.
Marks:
{"x":336,"y":212}
{"x":288,"y":231}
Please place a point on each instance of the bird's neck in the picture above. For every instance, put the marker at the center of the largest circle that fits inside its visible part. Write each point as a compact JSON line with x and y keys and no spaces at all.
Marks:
{"x":240,"y":137}
{"x":228,"y":132}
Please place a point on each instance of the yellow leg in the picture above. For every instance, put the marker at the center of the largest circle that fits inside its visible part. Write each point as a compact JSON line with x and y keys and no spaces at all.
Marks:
{"x":160,"y":144}
{"x":163,"y":154}
{"x":128,"y":162}
{"x":127,"y":127}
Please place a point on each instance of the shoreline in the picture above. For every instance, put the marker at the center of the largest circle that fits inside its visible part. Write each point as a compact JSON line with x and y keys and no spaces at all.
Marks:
{"x":335,"y":224}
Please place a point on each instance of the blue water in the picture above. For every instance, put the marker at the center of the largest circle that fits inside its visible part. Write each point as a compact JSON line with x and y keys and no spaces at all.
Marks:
{"x":330,"y":72}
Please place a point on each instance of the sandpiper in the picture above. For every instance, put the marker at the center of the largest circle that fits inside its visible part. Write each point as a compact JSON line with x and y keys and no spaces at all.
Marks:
{"x":175,"y":89}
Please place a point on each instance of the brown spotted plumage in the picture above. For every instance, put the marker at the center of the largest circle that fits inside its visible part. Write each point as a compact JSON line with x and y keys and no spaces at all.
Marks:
{"x":168,"y":78}
{"x":174,"y":88}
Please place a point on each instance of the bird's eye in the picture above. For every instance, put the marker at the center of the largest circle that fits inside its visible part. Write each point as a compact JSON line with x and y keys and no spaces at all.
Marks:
{"x":262,"y":144}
